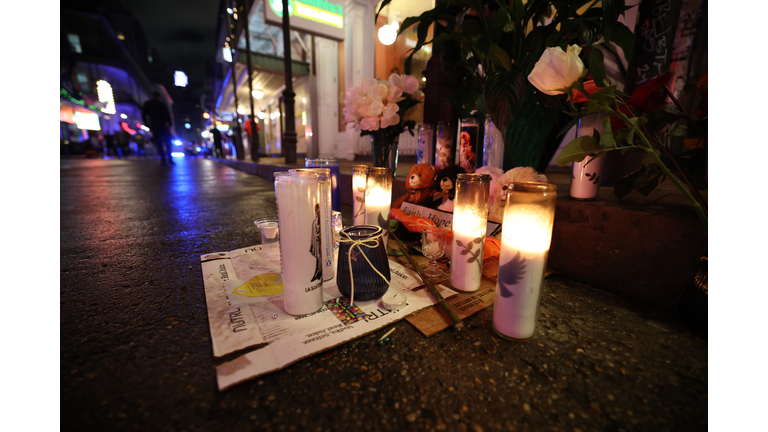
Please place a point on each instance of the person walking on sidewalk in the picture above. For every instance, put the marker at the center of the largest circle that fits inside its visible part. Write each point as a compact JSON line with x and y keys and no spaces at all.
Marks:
{"x":157,"y":116}
{"x":218,"y":150}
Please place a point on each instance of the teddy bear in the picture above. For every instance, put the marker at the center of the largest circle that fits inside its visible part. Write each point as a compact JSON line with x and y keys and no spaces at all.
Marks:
{"x":445,"y":187}
{"x":419,"y":185}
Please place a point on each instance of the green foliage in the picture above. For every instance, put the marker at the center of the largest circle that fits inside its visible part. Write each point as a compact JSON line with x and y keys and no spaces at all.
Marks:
{"x":499,"y":42}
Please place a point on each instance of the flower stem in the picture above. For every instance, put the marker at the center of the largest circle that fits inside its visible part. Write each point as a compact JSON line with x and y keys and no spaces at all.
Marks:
{"x":648,"y":148}
{"x":457,"y":323}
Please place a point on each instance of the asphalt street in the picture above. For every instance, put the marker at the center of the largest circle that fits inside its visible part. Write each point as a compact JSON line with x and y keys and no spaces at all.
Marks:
{"x":136,"y":350}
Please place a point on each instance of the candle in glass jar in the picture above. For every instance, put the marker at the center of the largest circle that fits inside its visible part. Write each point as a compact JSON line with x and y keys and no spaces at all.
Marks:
{"x":470,"y":221}
{"x":326,"y":224}
{"x":378,"y":199}
{"x":298,"y":217}
{"x":359,"y":173}
{"x":526,"y":237}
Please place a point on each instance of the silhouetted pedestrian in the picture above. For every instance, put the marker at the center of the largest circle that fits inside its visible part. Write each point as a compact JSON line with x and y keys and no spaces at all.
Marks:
{"x":157,"y":116}
{"x":218,"y":151}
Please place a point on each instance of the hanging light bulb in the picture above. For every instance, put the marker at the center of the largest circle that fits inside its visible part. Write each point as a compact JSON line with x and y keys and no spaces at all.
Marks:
{"x":387,"y":34}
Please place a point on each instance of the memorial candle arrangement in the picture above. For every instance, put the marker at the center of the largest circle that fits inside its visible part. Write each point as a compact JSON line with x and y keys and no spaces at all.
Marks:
{"x":470,"y":221}
{"x":326,"y":220}
{"x":359,"y":175}
{"x":378,"y":199}
{"x":298,"y":216}
{"x":529,"y":215}
{"x":333,"y":165}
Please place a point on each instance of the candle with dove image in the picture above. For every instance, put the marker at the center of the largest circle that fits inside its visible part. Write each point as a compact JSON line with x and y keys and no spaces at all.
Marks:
{"x":526,"y":236}
{"x":470,"y":222}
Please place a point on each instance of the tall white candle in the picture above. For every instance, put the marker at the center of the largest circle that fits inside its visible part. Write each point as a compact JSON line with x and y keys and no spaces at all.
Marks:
{"x":298,"y":213}
{"x":358,"y":194}
{"x":586,"y":175}
{"x":526,"y":237}
{"x":326,"y":223}
{"x":469,"y":225}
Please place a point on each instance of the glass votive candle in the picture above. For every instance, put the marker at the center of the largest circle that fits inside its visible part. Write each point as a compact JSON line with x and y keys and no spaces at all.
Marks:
{"x":529,"y":215}
{"x":359,"y":175}
{"x":333,"y":165}
{"x":470,"y":222}
{"x":378,"y":199}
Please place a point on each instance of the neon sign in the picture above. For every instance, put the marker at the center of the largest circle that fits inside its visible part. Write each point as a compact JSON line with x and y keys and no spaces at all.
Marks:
{"x":319,"y":17}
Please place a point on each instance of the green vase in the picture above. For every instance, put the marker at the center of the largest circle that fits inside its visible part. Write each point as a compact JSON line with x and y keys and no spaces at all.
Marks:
{"x":531,"y":139}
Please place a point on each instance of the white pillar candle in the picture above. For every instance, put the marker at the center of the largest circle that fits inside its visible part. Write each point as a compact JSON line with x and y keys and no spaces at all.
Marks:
{"x":359,"y":173}
{"x":326,"y":223}
{"x":586,"y":176}
{"x":298,"y":214}
{"x":469,"y":225}
{"x":526,"y":237}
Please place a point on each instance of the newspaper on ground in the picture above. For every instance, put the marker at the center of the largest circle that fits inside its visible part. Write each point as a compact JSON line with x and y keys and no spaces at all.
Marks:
{"x":243,"y":293}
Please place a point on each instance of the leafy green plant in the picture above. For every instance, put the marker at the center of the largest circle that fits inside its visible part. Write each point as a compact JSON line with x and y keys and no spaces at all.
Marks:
{"x":500,"y":42}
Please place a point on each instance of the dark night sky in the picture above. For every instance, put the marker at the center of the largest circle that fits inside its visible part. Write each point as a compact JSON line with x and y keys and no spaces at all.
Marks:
{"x":182,"y":31}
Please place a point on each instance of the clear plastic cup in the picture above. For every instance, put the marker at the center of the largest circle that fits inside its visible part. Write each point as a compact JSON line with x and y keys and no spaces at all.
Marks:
{"x":270,"y":238}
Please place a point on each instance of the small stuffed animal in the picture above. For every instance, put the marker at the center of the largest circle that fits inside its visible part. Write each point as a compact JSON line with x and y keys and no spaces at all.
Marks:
{"x":445,"y":185}
{"x":419,"y":185}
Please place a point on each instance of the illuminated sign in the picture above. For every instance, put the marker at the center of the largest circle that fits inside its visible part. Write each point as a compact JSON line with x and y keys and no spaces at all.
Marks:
{"x":86,"y":121}
{"x":323,"y":18}
{"x":227,"y":54}
{"x":222,"y":127}
{"x":180,"y":79}
{"x":104,"y":90}
{"x":127,"y":128}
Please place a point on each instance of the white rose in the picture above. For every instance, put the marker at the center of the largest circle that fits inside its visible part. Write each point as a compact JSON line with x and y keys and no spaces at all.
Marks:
{"x":557,"y":70}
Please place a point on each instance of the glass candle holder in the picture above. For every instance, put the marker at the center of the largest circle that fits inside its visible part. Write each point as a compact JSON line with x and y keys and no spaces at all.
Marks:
{"x":529,"y":215}
{"x":370,"y":274}
{"x":443,"y":145}
{"x":469,"y":132}
{"x":298,"y":218}
{"x":378,"y":199}
{"x":359,"y":175}
{"x":585,"y":175}
{"x":326,"y":220}
{"x":493,"y":145}
{"x":333,"y":165}
{"x":425,"y":134}
{"x":470,"y":222}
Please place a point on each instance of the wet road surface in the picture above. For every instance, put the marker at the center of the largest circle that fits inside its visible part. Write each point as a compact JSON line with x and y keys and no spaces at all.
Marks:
{"x":136,"y":350}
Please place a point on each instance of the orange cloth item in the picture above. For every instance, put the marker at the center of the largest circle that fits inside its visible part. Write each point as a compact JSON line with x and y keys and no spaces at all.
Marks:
{"x":412,"y":223}
{"x":492,"y":247}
